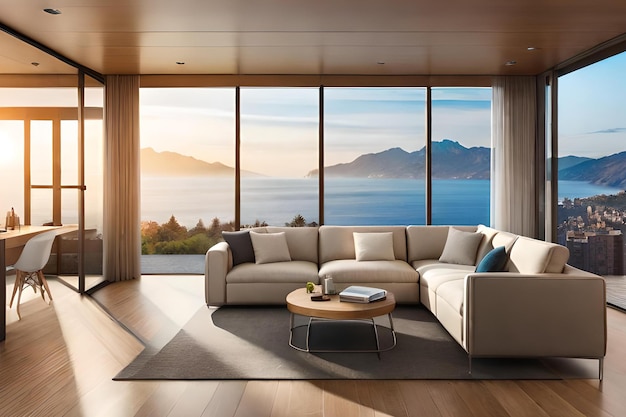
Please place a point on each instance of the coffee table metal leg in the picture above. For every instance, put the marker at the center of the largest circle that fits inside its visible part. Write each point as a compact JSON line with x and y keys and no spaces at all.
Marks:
{"x":291,"y":330}
{"x":308,"y":334}
{"x":393,"y":331}
{"x":307,"y":347}
{"x":292,"y":327}
{"x":376,"y":336}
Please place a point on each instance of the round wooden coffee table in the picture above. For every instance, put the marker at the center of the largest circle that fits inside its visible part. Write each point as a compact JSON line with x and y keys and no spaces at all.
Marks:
{"x":299,"y":303}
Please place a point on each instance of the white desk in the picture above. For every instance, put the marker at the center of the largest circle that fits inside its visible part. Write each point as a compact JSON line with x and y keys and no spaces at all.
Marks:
{"x":11,"y":244}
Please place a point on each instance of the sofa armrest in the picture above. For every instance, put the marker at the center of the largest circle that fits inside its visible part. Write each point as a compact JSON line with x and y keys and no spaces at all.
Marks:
{"x":557,"y":315}
{"x":218,"y":262}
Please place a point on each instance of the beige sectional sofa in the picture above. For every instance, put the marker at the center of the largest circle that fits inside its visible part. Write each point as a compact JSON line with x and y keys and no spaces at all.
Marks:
{"x":536,"y":306}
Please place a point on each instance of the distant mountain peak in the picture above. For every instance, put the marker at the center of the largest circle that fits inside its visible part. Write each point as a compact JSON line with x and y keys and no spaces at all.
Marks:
{"x":168,"y":163}
{"x":450,"y":160}
{"x":608,"y":170}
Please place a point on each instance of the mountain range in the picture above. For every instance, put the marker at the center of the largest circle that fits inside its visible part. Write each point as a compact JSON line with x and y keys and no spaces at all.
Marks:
{"x":608,"y":170}
{"x":451,"y":160}
{"x":172,"y":164}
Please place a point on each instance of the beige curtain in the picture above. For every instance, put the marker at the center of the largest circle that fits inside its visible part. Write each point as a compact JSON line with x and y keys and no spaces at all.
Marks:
{"x":514,"y":126}
{"x":122,"y":235}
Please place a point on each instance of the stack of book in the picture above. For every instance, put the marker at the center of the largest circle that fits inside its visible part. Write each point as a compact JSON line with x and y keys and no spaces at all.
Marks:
{"x":358,"y":294}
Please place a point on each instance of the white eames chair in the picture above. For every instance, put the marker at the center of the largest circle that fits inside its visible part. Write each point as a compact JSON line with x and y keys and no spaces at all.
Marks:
{"x":28,"y":267}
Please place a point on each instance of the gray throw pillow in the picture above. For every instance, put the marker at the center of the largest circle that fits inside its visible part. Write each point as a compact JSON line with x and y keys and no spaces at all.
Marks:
{"x":461,"y":247}
{"x":240,"y":246}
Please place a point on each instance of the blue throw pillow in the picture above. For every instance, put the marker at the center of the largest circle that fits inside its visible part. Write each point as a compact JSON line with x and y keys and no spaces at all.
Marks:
{"x":494,"y":261}
{"x":240,"y":246}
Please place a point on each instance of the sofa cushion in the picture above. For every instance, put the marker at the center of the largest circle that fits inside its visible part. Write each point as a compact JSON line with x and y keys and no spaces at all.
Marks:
{"x":351,"y":270}
{"x":487,"y":243}
{"x":277,"y":272}
{"x":337,"y":242}
{"x":505,"y":239}
{"x":433,"y":278}
{"x":453,"y":293}
{"x":240,"y":246}
{"x":426,"y":265}
{"x":270,"y":247}
{"x":532,"y":256}
{"x":461,"y":247}
{"x":302,"y":241}
{"x":427,"y":242}
{"x":373,"y":246}
{"x":494,"y":261}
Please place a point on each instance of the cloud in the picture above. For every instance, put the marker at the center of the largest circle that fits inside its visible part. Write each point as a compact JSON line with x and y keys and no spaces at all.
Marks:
{"x":612,"y":130}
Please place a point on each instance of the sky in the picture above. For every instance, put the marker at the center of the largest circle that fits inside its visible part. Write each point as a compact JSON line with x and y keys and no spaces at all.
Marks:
{"x":279,"y":129}
{"x":592,"y":109}
{"x":279,"y":126}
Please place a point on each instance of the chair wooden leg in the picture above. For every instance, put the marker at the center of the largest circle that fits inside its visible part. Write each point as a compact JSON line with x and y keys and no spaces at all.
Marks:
{"x":17,"y":283}
{"x":44,"y":282}
{"x":19,"y":297}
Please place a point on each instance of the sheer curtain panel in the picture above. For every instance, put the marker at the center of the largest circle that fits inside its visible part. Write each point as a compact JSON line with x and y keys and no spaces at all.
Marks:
{"x":514,"y":133}
{"x":122,"y":233}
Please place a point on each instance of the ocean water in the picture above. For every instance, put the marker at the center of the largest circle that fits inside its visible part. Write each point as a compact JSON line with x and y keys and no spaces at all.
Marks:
{"x":578,"y":189}
{"x":346,"y":201}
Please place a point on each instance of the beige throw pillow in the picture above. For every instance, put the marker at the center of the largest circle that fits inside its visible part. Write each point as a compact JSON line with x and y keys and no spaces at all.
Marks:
{"x":270,"y":247}
{"x":373,"y":246}
{"x":461,"y":247}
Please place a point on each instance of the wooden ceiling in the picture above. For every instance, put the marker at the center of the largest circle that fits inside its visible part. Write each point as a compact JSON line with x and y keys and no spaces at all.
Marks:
{"x":355,"y":37}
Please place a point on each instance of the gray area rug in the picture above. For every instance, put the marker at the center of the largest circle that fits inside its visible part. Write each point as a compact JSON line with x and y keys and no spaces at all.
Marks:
{"x":253,"y":343}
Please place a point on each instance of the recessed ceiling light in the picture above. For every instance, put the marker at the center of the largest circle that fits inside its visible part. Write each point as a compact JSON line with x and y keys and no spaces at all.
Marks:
{"x":381,"y":62}
{"x":180,"y":63}
{"x":531,"y":48}
{"x":510,"y":63}
{"x":52,"y":11}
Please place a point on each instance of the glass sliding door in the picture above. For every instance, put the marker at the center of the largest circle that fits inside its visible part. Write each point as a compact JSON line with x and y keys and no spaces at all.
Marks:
{"x":55,"y":192}
{"x":461,"y":155}
{"x":47,"y":162}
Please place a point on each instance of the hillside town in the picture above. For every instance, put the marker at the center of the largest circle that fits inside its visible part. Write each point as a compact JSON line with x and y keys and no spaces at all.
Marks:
{"x":593,"y":230}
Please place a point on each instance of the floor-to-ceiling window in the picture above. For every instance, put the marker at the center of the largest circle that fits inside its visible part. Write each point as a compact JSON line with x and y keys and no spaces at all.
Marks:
{"x":187,"y":175}
{"x":279,"y":152}
{"x":592,"y":165}
{"x":374,"y":158}
{"x":373,"y":146}
{"x":461,"y":155}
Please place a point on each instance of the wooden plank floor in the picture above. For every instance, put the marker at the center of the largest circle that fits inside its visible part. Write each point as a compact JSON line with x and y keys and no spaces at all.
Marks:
{"x":59,"y":360}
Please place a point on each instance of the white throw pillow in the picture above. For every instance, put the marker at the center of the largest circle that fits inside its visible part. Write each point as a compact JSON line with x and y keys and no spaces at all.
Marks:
{"x":373,"y":246}
{"x":270,"y":247}
{"x":461,"y":247}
